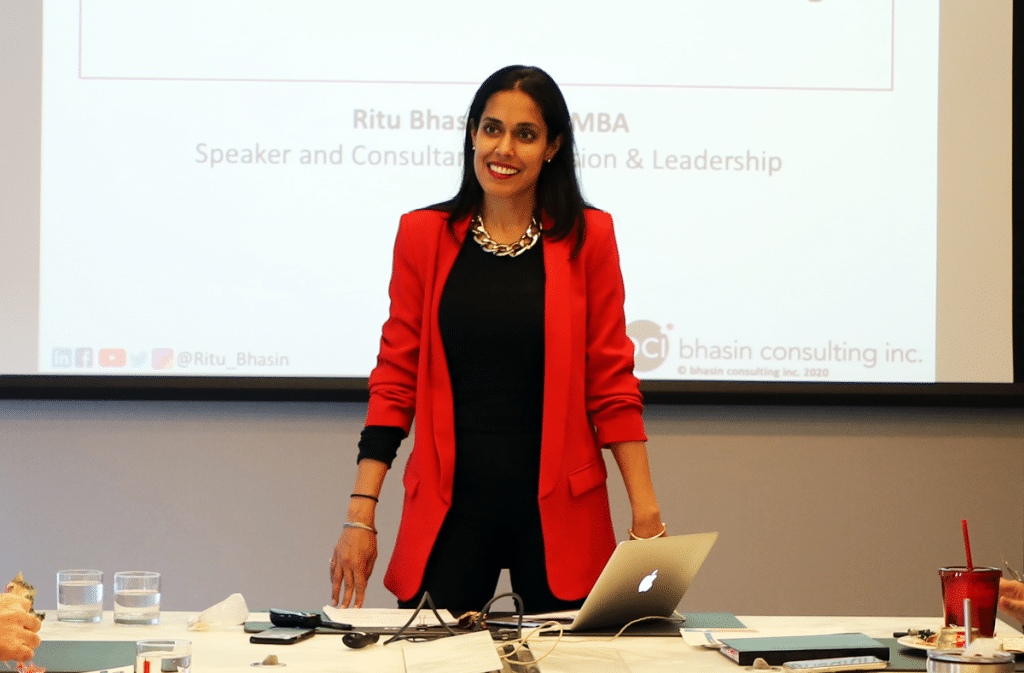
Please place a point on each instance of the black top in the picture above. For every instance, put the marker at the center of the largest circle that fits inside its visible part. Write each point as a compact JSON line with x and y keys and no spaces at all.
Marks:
{"x":491,"y":319}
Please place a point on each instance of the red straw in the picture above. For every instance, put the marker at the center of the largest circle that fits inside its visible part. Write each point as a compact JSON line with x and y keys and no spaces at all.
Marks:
{"x":967,"y":545}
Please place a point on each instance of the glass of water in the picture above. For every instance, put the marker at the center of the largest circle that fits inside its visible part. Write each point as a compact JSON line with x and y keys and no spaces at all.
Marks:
{"x":136,"y":597}
{"x":163,"y":656}
{"x":80,"y":595}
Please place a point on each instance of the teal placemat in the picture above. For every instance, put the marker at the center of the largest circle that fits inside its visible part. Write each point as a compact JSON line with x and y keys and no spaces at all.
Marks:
{"x":712,"y":620}
{"x":74,"y":656}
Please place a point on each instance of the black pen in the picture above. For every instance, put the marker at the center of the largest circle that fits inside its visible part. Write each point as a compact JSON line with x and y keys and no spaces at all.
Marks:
{"x":304,"y":620}
{"x":335,"y":625}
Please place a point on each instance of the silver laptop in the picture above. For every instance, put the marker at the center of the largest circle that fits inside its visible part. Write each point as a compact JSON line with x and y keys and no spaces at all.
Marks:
{"x":643,"y":578}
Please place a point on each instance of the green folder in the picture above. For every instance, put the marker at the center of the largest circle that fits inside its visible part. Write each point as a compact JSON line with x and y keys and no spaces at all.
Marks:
{"x":780,"y":649}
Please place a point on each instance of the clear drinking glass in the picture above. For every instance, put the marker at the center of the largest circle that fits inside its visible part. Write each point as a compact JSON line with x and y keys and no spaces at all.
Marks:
{"x":136,"y":597}
{"x":163,"y":656}
{"x":80,"y":595}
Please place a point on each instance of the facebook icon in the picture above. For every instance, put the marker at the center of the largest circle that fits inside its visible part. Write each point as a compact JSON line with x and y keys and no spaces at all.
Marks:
{"x":83,"y":357}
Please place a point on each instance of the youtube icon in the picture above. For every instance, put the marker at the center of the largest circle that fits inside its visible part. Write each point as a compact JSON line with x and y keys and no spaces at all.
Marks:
{"x":113,"y":357}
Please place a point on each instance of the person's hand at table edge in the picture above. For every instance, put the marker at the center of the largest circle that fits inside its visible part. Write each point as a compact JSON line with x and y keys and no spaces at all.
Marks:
{"x":18,"y":629}
{"x":1011,"y":598}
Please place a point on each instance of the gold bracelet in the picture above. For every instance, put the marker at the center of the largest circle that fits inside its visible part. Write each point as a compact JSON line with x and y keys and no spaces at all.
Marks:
{"x":362,"y":526}
{"x":633,"y":536}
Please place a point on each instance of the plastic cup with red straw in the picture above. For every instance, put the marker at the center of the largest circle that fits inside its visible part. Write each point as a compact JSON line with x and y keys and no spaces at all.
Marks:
{"x":979,"y":584}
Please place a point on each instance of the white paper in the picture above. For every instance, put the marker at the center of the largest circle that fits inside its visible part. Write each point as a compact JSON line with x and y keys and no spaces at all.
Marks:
{"x":699,"y":637}
{"x":695,"y":638}
{"x":386,"y":618}
{"x":469,"y":653}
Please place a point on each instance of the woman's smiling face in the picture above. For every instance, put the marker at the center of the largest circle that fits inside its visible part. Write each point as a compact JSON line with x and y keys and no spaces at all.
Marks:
{"x":512,"y":145}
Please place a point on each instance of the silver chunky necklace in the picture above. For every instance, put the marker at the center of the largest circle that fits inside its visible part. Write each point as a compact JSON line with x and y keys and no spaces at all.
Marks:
{"x":505,"y":249}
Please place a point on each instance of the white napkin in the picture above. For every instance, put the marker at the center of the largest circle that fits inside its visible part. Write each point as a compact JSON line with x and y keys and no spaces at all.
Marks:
{"x":984,"y":647}
{"x":231,"y":611}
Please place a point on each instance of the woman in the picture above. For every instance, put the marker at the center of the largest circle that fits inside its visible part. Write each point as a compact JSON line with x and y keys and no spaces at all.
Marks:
{"x":507,"y":342}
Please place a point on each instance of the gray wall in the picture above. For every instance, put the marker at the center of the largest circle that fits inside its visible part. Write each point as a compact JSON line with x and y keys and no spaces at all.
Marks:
{"x":840,"y":511}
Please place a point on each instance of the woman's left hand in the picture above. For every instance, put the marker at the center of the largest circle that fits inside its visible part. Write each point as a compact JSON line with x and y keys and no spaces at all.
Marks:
{"x":636,"y":474}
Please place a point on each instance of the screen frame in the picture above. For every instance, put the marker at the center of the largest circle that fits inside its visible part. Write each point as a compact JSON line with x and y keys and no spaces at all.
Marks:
{"x":180,"y":388}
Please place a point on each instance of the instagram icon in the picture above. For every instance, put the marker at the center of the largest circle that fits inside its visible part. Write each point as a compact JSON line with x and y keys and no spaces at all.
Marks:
{"x":163,"y":358}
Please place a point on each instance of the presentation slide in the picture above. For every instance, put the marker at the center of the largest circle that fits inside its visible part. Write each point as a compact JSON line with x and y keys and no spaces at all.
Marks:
{"x":221,"y":180}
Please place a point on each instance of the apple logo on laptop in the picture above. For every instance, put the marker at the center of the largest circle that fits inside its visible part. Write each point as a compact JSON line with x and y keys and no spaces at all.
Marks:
{"x":647,"y":582}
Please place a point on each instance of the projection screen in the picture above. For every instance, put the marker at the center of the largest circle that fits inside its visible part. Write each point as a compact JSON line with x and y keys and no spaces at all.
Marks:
{"x":804,"y":191}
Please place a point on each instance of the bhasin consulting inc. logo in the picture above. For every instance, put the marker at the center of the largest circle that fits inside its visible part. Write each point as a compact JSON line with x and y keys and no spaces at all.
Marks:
{"x":650,"y":344}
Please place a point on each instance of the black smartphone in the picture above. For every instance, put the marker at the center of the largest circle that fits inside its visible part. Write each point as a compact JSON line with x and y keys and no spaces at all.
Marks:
{"x":281,"y":635}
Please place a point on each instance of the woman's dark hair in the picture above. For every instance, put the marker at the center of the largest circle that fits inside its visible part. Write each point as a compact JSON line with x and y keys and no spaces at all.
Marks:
{"x":558,"y":190}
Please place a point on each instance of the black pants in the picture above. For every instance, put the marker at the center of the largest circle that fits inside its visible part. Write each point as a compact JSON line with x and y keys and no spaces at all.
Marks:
{"x":472,"y":548}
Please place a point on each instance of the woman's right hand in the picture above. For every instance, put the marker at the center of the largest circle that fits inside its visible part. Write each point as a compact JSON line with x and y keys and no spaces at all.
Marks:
{"x":356,"y":551}
{"x":351,"y":566}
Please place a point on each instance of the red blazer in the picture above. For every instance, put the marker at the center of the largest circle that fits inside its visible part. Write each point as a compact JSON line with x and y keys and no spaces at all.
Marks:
{"x":591,"y":397}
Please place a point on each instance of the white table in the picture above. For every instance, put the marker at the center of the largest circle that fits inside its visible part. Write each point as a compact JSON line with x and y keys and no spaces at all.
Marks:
{"x":229,"y":650}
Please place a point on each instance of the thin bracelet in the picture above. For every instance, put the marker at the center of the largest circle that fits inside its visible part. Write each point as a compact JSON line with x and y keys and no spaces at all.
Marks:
{"x":633,"y":536}
{"x":365,"y":495}
{"x":362,"y":526}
